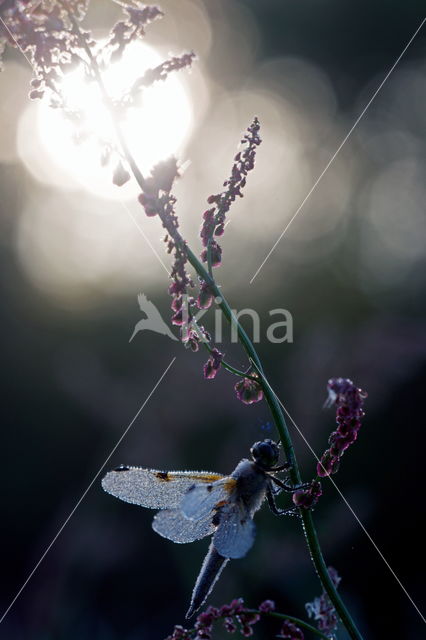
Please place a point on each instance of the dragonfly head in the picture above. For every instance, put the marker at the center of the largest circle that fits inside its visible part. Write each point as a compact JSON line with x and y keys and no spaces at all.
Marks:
{"x":265,"y":453}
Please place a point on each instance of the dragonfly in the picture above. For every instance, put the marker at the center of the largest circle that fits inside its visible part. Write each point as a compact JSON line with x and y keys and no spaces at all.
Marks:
{"x":196,"y":504}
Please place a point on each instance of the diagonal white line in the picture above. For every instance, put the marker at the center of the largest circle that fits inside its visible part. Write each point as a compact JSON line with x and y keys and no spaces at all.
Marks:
{"x":16,"y":42}
{"x":335,"y":154}
{"x":351,"y":509}
{"x":141,"y":231}
{"x":83,"y":495}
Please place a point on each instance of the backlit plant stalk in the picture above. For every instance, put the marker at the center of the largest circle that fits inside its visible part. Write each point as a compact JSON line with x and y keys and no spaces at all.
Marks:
{"x":270,"y":397}
{"x":154,"y":204}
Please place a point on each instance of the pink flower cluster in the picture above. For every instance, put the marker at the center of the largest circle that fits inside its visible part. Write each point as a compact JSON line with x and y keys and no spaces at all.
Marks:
{"x":290,"y":631}
{"x":43,"y":31}
{"x":349,"y":401}
{"x":125,"y":31}
{"x":308,"y":498}
{"x":214,"y":218}
{"x":212,"y":365}
{"x":249,"y":391}
{"x":158,"y":73}
{"x":157,"y":200}
{"x":322,"y":610}
{"x":205,"y":296}
{"x":235,"y":616}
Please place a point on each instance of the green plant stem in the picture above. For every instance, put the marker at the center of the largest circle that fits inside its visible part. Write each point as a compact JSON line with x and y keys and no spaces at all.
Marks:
{"x":311,"y":535}
{"x":282,"y":428}
{"x":209,"y":258}
{"x":226,"y":365}
{"x":278,"y":417}
{"x":237,"y":372}
{"x":271,"y":399}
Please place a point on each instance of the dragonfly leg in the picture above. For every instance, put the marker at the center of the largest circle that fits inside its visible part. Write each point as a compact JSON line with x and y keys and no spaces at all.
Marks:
{"x":289,"y":511}
{"x":283,"y":467}
{"x":288,"y":487}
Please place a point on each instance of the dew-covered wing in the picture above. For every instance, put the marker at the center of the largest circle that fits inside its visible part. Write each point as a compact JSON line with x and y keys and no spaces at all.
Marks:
{"x":154,"y":489}
{"x":235,"y":532}
{"x":202,"y":498}
{"x":173,"y":525}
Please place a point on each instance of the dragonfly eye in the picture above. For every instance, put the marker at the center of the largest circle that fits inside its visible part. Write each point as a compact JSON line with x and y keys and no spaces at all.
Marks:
{"x":265,"y":453}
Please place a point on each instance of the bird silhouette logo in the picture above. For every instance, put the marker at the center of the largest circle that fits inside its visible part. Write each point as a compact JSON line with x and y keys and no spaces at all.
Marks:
{"x":153,"y":321}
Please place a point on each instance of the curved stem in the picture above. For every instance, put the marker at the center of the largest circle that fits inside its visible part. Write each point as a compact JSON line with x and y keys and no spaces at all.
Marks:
{"x":270,"y":397}
{"x":282,"y":616}
{"x":282,"y":428}
{"x":237,"y":372}
{"x":311,"y":535}
{"x":297,"y":621}
{"x":226,"y":309}
{"x":225,"y":365}
{"x":309,"y":529}
{"x":278,"y":417}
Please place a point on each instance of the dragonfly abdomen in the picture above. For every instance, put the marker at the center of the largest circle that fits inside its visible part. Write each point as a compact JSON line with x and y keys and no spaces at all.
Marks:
{"x":210,"y":571}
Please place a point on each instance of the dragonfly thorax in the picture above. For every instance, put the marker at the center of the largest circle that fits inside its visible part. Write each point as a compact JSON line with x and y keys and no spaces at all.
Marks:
{"x":251,"y":484}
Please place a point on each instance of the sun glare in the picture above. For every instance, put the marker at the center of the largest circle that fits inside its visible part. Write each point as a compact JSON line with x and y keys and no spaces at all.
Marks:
{"x":156,"y":129}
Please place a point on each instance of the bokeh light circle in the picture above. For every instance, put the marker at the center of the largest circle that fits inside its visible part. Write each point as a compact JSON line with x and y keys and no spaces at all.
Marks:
{"x":58,"y":152}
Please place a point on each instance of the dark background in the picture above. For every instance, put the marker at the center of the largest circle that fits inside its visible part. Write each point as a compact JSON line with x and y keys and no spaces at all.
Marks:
{"x":71,"y":384}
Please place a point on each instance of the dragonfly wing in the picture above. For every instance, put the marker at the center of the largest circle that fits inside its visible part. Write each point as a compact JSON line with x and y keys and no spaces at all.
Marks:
{"x":173,"y":525}
{"x":154,"y":489}
{"x":236,"y":531}
{"x":201,"y":499}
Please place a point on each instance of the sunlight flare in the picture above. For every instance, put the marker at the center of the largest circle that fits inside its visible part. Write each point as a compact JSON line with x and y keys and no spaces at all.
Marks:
{"x":155,"y":129}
